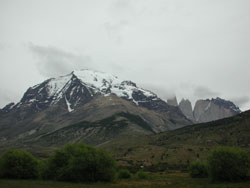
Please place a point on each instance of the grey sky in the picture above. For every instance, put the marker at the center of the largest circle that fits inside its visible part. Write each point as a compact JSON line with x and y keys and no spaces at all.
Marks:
{"x":193,"y":48}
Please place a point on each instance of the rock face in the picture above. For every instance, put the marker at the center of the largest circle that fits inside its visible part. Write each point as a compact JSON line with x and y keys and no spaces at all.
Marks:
{"x":172,"y":101}
{"x":186,"y":108}
{"x":214,"y":109}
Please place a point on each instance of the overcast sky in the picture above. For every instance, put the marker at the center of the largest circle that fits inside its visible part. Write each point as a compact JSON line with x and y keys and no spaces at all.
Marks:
{"x":192,"y":48}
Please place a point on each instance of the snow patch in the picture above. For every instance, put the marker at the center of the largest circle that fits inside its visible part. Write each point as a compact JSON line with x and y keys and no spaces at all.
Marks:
{"x":32,"y":100}
{"x":68,"y":105}
{"x":55,"y":85}
{"x":208,"y":106}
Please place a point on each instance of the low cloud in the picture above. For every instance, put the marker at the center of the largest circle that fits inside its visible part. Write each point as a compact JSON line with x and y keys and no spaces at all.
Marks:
{"x":164,"y":93}
{"x":204,"y":92}
{"x":241,"y":101}
{"x":52,"y":61}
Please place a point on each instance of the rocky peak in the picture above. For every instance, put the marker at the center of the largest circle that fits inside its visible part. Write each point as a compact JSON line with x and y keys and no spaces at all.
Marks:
{"x":226,"y":104}
{"x":172,"y":101}
{"x":214,"y":109}
{"x":127,"y":82}
{"x":186,"y":108}
{"x":8,"y":107}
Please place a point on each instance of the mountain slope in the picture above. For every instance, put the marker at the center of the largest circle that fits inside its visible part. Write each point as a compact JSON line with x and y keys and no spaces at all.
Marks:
{"x":179,"y":147}
{"x":95,"y":133}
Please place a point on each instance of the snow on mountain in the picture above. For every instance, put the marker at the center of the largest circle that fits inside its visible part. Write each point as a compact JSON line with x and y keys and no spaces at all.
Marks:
{"x":108,"y":84}
{"x":81,"y":86}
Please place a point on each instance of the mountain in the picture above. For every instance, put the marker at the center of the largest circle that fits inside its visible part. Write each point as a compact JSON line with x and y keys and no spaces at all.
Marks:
{"x":84,"y":96}
{"x":186,"y":108}
{"x":214,"y":109}
{"x":208,"y":110}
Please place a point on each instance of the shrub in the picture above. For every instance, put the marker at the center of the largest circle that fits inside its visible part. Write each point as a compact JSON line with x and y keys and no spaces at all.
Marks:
{"x":80,"y":163}
{"x":124,"y":174}
{"x":141,"y":175}
{"x":43,"y":169}
{"x":198,"y":169}
{"x":18,"y":164}
{"x":229,"y":164}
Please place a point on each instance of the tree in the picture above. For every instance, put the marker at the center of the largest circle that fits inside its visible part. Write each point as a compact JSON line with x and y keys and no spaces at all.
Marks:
{"x":80,"y":163}
{"x":18,"y":164}
{"x":198,"y":169}
{"x":229,"y":164}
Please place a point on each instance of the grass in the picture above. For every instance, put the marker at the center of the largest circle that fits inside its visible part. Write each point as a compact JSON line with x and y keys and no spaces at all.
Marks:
{"x":170,"y":180}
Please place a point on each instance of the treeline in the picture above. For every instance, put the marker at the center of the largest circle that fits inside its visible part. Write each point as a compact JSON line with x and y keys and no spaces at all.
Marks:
{"x":223,"y":164}
{"x":83,"y":163}
{"x":77,"y":163}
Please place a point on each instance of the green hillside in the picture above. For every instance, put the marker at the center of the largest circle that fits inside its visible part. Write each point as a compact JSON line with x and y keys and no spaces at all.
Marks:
{"x":176,"y":149}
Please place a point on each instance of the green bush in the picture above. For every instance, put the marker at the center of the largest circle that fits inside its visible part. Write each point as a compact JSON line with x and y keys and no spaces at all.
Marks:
{"x":198,"y":169}
{"x":80,"y":163}
{"x":141,"y":175}
{"x":229,"y":164}
{"x":43,"y":169}
{"x":124,"y":174}
{"x":18,"y":164}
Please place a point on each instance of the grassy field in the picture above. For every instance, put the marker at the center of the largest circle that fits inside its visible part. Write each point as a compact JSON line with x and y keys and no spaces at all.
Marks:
{"x":170,"y":180}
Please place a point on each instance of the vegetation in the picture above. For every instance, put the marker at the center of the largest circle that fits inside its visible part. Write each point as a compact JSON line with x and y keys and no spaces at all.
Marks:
{"x":124,"y":174}
{"x":141,"y":175}
{"x":198,"y":169}
{"x":18,"y":164}
{"x":169,"y":180}
{"x":80,"y":163}
{"x":175,"y":150}
{"x":229,"y":164}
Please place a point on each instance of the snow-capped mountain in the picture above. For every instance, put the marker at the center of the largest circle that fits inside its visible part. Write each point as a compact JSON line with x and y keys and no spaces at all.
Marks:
{"x":79,"y":87}
{"x":87,"y":96}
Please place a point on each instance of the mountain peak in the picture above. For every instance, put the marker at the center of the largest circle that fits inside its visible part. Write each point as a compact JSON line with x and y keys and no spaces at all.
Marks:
{"x":172,"y":101}
{"x":79,"y":87}
{"x":95,"y":78}
{"x":213,"y":109}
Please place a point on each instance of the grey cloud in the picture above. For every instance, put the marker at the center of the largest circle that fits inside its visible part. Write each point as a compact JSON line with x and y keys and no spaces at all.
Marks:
{"x":161,"y":92}
{"x":7,"y":97}
{"x":2,"y":46}
{"x":204,"y":92}
{"x":52,"y":61}
{"x":114,"y":30}
{"x":241,"y":101}
{"x":121,"y":7}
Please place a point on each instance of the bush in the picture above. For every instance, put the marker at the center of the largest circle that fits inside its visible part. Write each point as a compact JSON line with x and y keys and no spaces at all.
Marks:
{"x":198,"y":169}
{"x":124,"y":174}
{"x":229,"y":164}
{"x":141,"y":175}
{"x":18,"y":164}
{"x":80,"y":163}
{"x":43,"y":169}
